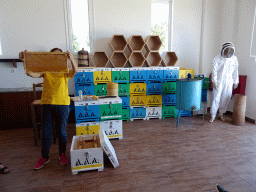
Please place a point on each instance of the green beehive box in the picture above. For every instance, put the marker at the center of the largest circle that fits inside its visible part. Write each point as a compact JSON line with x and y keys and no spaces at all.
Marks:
{"x":169,"y":111}
{"x":206,"y":83}
{"x":169,"y":87}
{"x":124,"y":89}
{"x":100,"y":90}
{"x":120,"y":75}
{"x":110,"y":108}
{"x":126,"y":114}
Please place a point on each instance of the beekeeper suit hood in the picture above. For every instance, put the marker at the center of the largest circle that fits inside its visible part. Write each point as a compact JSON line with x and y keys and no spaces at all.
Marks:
{"x":224,"y":75}
{"x":227,"y":50}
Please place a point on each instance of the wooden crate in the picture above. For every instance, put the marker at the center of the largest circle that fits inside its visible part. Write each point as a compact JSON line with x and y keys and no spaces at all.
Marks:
{"x":39,"y":62}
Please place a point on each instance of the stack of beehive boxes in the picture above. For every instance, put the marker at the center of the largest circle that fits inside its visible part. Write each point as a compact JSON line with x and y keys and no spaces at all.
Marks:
{"x":145,"y":92}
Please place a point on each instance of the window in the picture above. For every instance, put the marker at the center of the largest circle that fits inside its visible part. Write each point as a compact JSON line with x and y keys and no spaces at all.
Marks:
{"x":253,"y":40}
{"x":80,"y":25}
{"x":161,"y":22}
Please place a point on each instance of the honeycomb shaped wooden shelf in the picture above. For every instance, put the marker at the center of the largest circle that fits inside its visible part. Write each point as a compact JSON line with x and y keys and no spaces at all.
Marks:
{"x":118,"y":59}
{"x":136,"y":42}
{"x":118,"y":43}
{"x":153,"y":42}
{"x":100,"y":59}
{"x":128,"y":51}
{"x":145,"y":51}
{"x":154,"y":59}
{"x":170,"y":58}
{"x":136,"y":59}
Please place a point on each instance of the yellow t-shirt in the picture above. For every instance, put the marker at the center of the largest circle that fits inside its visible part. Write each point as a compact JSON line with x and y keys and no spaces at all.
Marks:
{"x":55,"y":89}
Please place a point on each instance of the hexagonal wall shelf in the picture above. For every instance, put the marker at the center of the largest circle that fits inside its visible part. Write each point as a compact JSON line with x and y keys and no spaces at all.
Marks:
{"x":118,"y":43}
{"x":128,"y":51}
{"x":154,"y":59}
{"x":153,"y":42}
{"x":170,"y":58}
{"x":136,"y":59}
{"x":100,"y":59}
{"x":145,"y":51}
{"x":136,"y":42}
{"x":118,"y":59}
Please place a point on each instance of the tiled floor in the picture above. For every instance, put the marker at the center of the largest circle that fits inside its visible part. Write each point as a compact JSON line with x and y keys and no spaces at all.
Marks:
{"x":154,"y":155}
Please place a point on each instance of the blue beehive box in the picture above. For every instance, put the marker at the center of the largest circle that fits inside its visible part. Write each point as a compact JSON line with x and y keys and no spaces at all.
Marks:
{"x":139,"y":112}
{"x":138,"y":74}
{"x":84,"y":76}
{"x":87,"y":89}
{"x":169,"y":99}
{"x":87,"y":110}
{"x":171,"y":73}
{"x":125,"y":102}
{"x":155,"y":74}
{"x":154,"y":88}
{"x":184,"y":113}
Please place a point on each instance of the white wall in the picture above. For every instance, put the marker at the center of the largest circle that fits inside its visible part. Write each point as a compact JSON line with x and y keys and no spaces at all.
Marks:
{"x":187,"y":32}
{"x":32,"y":25}
{"x":120,"y":17}
{"x":247,"y":65}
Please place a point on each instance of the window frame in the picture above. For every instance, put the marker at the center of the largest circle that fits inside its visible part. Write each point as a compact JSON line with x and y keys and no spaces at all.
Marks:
{"x":69,"y":29}
{"x":170,"y":19}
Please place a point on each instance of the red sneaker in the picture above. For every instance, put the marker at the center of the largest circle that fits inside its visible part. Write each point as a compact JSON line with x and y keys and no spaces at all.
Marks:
{"x":41,"y":163}
{"x":63,"y":159}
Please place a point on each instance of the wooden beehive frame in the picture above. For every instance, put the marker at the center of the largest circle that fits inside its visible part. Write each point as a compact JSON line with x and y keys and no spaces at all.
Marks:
{"x":118,"y":59}
{"x":39,"y":62}
{"x":86,"y":142}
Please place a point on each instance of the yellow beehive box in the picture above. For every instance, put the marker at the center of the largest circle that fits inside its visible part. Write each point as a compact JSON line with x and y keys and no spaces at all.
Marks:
{"x":101,"y":75}
{"x":87,"y":128}
{"x":154,"y":101}
{"x":138,"y":89}
{"x":184,"y":72}
{"x":138,"y":100}
{"x":53,"y":62}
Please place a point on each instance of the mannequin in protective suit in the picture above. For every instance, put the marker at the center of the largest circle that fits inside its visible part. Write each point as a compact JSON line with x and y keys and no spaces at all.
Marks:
{"x":224,"y":79}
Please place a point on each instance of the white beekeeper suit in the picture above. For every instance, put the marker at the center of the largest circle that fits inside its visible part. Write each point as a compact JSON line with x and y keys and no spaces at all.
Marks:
{"x":224,"y":79}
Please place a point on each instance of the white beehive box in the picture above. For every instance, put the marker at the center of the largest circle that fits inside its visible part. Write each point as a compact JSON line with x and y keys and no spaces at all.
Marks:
{"x":113,"y":128}
{"x":153,"y":112}
{"x":91,"y":158}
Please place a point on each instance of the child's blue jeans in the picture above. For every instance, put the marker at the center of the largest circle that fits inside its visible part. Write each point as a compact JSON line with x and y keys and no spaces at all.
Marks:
{"x":59,"y":114}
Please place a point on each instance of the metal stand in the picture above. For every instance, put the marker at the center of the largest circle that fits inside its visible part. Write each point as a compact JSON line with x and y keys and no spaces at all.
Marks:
{"x":178,"y":117}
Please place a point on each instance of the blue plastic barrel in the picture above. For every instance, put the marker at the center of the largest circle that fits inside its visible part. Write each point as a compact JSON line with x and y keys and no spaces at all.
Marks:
{"x":189,"y":94}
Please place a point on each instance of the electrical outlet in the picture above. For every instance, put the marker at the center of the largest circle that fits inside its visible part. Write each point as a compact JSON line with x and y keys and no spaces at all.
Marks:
{"x":13,"y":70}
